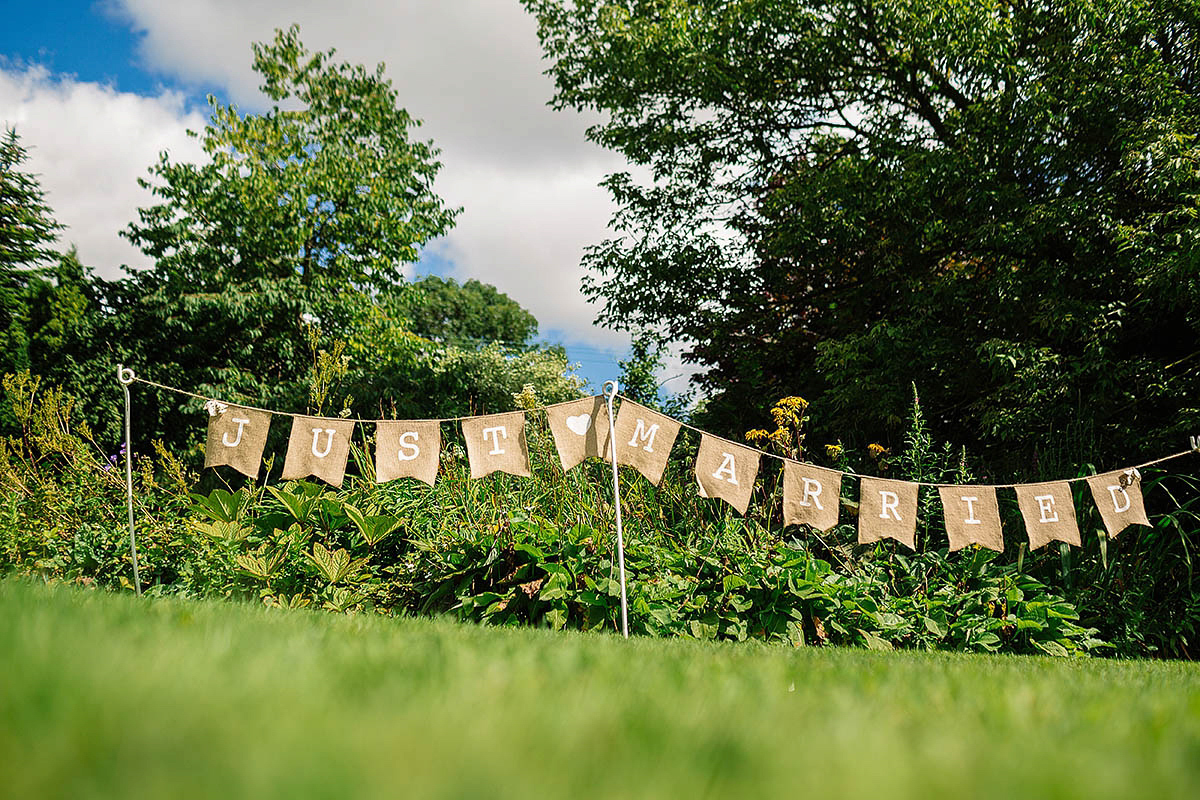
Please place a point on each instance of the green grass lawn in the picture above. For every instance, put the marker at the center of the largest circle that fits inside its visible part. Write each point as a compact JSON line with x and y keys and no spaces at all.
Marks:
{"x":107,"y":696}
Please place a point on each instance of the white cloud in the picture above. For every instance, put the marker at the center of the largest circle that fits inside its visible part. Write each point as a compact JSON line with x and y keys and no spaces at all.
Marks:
{"x":89,"y":144}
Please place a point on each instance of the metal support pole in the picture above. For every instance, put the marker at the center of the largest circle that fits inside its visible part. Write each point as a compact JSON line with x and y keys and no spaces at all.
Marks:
{"x":126,"y":377}
{"x":610,"y":394}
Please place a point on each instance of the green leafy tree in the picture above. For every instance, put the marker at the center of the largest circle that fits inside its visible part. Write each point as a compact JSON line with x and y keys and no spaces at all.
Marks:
{"x":301,"y":219}
{"x":472,"y":313}
{"x":994,"y":199}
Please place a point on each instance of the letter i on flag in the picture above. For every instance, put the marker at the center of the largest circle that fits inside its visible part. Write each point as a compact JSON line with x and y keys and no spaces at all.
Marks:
{"x":236,"y":438}
{"x":496,"y":443}
{"x":887,"y":510}
{"x":972,"y":517}
{"x":318,"y":447}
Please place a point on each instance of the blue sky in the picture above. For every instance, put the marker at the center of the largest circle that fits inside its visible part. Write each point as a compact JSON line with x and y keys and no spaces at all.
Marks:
{"x":98,"y":88}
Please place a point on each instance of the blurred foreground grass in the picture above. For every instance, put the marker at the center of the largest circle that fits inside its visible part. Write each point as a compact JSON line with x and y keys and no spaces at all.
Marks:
{"x":105,"y":696}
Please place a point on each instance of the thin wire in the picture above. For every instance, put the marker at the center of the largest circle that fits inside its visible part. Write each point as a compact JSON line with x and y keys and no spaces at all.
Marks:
{"x":353,"y":419}
{"x":937,"y":485}
{"x":681,"y":424}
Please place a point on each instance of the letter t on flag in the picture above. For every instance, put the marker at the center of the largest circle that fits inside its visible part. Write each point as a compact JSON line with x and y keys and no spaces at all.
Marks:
{"x":496,"y":443}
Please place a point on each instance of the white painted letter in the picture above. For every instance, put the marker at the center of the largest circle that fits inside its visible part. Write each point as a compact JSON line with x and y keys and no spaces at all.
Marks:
{"x":328,"y":441}
{"x":726,"y":468}
{"x":893,"y":505}
{"x":410,"y":446}
{"x":644,"y":435}
{"x":1046,"y":505}
{"x":241,"y":423}
{"x":496,"y":449}
{"x":812,"y":489}
{"x":1117,"y":507}
{"x":971,"y":501}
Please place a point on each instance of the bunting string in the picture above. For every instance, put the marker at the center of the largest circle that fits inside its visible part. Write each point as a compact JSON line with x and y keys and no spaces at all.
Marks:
{"x":636,"y":436}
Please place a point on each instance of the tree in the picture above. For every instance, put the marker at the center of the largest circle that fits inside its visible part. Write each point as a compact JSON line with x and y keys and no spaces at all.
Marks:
{"x":301,"y":219}
{"x":27,"y":232}
{"x":996,"y":200}
{"x":471,"y":313}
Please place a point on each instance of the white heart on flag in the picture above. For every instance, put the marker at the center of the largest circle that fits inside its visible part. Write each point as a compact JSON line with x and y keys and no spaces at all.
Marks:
{"x":579,"y":425}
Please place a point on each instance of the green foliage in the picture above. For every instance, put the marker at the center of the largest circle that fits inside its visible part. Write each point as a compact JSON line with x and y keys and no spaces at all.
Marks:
{"x":996,"y":200}
{"x":539,"y":551}
{"x":472,"y":313}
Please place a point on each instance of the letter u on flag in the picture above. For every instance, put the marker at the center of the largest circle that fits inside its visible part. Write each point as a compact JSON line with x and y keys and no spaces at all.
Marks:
{"x":318,"y":447}
{"x":727,"y":471}
{"x":236,"y":438}
{"x":407,"y":449}
{"x":887,"y":510}
{"x":580,"y":430}
{"x":1049,"y":513}
{"x":972,"y":517}
{"x":496,"y":443}
{"x":1118,"y":497}
{"x":644,"y":440}
{"x":811,"y":495}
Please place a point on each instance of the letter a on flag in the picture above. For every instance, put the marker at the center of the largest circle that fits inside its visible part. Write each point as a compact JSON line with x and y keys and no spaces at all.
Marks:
{"x":236,"y":438}
{"x":727,"y":471}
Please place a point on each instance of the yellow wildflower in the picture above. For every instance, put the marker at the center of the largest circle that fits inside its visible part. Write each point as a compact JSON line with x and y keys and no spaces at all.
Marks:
{"x":876,"y":450}
{"x":757,"y":436}
{"x":834,"y":451}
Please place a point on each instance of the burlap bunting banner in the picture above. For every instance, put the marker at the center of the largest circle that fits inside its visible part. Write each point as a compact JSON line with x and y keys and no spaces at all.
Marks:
{"x":580,"y":430}
{"x":1118,"y":497}
{"x":887,"y":510}
{"x":496,"y":443}
{"x":407,"y":449}
{"x":318,"y":447}
{"x":811,"y":495}
{"x":236,"y":438}
{"x":727,"y":471}
{"x":972,"y":517}
{"x":644,"y":440}
{"x":1049,"y":513}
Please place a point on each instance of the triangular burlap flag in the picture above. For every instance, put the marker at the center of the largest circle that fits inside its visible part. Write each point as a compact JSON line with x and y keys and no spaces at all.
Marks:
{"x":580,"y":430}
{"x":407,"y":449}
{"x":887,"y":510}
{"x":497,"y":443}
{"x":644,"y":440}
{"x":1049,"y":513}
{"x":236,"y":438}
{"x":727,"y":471}
{"x":972,"y":517}
{"x":811,"y":495}
{"x":318,"y":447}
{"x":1118,"y":497}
